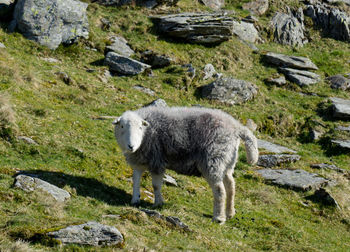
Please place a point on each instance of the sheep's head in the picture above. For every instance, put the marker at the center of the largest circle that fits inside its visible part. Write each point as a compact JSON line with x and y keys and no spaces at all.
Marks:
{"x":129,"y":131}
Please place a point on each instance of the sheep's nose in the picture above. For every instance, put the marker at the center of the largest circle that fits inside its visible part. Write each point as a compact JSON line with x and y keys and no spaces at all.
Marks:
{"x":131,"y":147}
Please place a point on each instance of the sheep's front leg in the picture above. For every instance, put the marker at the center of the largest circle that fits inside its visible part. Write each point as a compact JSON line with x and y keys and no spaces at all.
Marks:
{"x":136,"y":179}
{"x":157,"y":182}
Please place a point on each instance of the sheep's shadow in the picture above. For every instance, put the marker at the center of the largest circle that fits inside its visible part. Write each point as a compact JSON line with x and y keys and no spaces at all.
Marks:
{"x":86,"y":187}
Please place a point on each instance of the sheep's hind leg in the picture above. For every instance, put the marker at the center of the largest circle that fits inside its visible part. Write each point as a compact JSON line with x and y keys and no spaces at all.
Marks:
{"x":157,"y":181}
{"x":136,"y":179}
{"x":219,"y":194}
{"x":229,"y":183}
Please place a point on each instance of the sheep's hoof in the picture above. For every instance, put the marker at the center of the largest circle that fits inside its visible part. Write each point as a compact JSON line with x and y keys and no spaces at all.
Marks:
{"x":230,"y":215}
{"x":219,"y":220}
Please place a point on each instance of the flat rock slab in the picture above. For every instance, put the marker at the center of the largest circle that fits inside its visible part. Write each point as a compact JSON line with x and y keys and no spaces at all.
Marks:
{"x":327,"y":166}
{"x":157,"y":103}
{"x":273,"y":148}
{"x":269,"y":161}
{"x":301,"y":77}
{"x":90,"y":233}
{"x":341,"y":108}
{"x":124,"y":65}
{"x":339,"y":82}
{"x":229,"y":91}
{"x":282,"y":60}
{"x":119,"y":45}
{"x":202,"y":28}
{"x":342,"y":128}
{"x":342,"y":143}
{"x":29,"y":184}
{"x":294,"y":179}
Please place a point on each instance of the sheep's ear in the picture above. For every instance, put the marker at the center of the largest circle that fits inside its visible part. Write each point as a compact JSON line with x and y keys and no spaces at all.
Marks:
{"x":145,"y":123}
{"x":116,"y":121}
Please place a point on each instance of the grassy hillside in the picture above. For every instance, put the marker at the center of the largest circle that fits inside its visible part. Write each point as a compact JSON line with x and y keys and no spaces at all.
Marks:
{"x":79,"y":154}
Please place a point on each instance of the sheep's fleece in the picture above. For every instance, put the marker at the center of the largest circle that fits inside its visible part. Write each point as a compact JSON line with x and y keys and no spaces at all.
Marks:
{"x":191,"y":141}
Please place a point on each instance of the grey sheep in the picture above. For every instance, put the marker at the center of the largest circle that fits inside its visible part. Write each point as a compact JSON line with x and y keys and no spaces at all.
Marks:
{"x":190,"y":141}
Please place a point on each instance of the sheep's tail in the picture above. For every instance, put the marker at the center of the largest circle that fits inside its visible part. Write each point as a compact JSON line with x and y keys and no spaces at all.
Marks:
{"x":251,"y":145}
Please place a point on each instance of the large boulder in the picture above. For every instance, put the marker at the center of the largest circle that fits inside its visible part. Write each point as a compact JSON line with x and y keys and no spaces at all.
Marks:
{"x":53,"y":22}
{"x":334,"y":22}
{"x":229,"y":90}
{"x":6,"y":9}
{"x":202,"y":28}
{"x":124,"y":65}
{"x":282,"y":60}
{"x":289,"y":28}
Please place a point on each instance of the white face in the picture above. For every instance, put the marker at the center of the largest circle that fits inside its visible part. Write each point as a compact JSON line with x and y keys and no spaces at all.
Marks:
{"x":129,"y":131}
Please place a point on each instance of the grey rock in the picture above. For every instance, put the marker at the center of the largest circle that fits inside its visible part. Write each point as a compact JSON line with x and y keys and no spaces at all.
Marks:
{"x":279,"y":81}
{"x":334,"y":22}
{"x":105,"y":24}
{"x":301,"y":77}
{"x":246,"y":31}
{"x":339,"y":82}
{"x":214,"y":4}
{"x":273,"y":160}
{"x":2,"y":45}
{"x":327,"y":166}
{"x":111,"y":216}
{"x":144,"y":3}
{"x":289,"y":28}
{"x":120,"y":46}
{"x":31,"y":183}
{"x":342,"y":143}
{"x":175,"y":221}
{"x":51,"y":23}
{"x":282,"y":60}
{"x":27,"y":140}
{"x":341,"y":108}
{"x":190,"y":70}
{"x":342,"y":128}
{"x":229,"y":90}
{"x":315,"y":135}
{"x":158,"y":103}
{"x":90,"y":233}
{"x":323,"y":196}
{"x":293,"y":179}
{"x":169,"y":180}
{"x":124,"y":65}
{"x":258,"y":7}
{"x":273,"y":148}
{"x":6,"y":9}
{"x":202,"y":28}
{"x":209,"y":71}
{"x":50,"y":60}
{"x":155,"y":60}
{"x":145,"y":90}
{"x":153,"y":213}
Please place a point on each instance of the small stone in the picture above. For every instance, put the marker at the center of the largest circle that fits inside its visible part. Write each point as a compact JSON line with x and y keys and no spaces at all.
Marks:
{"x":153,"y":213}
{"x":323,"y":196}
{"x":177,"y":223}
{"x":90,"y":233}
{"x":280,"y":81}
{"x":190,"y":69}
{"x":120,"y":46}
{"x":158,"y":103}
{"x":2,"y":45}
{"x":339,"y":82}
{"x":342,"y":143}
{"x":27,"y":140}
{"x":276,"y":159}
{"x":124,"y":65}
{"x":342,"y":128}
{"x":315,"y":135}
{"x":50,"y":60}
{"x":65,"y":78}
{"x":105,"y":24}
{"x":258,"y":7}
{"x":296,"y":62}
{"x":273,"y":148}
{"x":214,"y":4}
{"x":155,"y":60}
{"x":145,"y":90}
{"x":209,"y":71}
{"x":327,"y":166}
{"x":169,"y":180}
{"x":341,"y":108}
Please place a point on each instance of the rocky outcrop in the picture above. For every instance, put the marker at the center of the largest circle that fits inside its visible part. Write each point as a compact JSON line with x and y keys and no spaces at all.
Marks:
{"x":90,"y":233}
{"x":51,"y":23}
{"x":341,"y":108}
{"x":300,"y":77}
{"x":31,"y":183}
{"x":296,"y":62}
{"x":229,"y":91}
{"x":269,"y":161}
{"x":124,"y":65}
{"x":334,"y":22}
{"x":258,"y":7}
{"x":339,"y":82}
{"x":119,"y":45}
{"x":289,"y":28}
{"x":202,"y":28}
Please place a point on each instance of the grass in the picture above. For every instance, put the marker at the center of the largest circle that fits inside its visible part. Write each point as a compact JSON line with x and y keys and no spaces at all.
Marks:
{"x":80,"y":155}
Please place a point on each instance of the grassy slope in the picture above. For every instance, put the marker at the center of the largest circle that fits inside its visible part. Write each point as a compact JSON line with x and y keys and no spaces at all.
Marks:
{"x":80,"y":155}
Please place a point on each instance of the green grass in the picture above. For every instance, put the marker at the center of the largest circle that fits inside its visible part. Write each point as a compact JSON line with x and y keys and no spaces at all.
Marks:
{"x":79,"y":154}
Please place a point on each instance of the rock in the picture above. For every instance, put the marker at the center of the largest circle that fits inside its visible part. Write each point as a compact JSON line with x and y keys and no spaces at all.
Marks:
{"x":269,"y":161}
{"x":289,"y":28}
{"x":27,"y":140}
{"x":65,"y":78}
{"x":105,"y":24}
{"x":323,"y":196}
{"x":334,"y":22}
{"x":29,"y":184}
{"x":90,"y":233}
{"x":6,"y":9}
{"x":250,"y":19}
{"x":327,"y":166}
{"x":339,"y":82}
{"x":202,"y":28}
{"x":170,"y":219}
{"x":246,"y":31}
{"x":190,"y":70}
{"x":209,"y":71}
{"x":169,"y":180}
{"x":214,"y":4}
{"x":342,"y":143}
{"x":258,"y":7}
{"x":294,"y":179}
{"x":155,"y":60}
{"x":158,"y":103}
{"x":51,"y":23}
{"x":124,"y":65}
{"x":315,"y":135}
{"x":50,"y":60}
{"x":144,"y":3}
{"x":342,"y":128}
{"x":295,"y":62}
{"x":301,"y":77}
{"x":341,"y":108}
{"x":153,"y":213}
{"x":229,"y":90}
{"x":273,"y":148}
{"x":279,"y":81}
{"x":2,"y":45}
{"x":120,"y":46}
{"x":145,"y":90}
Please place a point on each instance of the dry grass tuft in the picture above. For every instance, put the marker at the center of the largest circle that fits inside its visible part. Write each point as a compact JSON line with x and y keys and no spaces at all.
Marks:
{"x":8,"y":126}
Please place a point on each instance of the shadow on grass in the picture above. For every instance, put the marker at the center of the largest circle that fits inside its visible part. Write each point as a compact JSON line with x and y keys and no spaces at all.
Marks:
{"x":86,"y":187}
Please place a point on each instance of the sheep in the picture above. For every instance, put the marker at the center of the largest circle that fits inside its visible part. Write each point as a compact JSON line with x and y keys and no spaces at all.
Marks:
{"x":189,"y":140}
